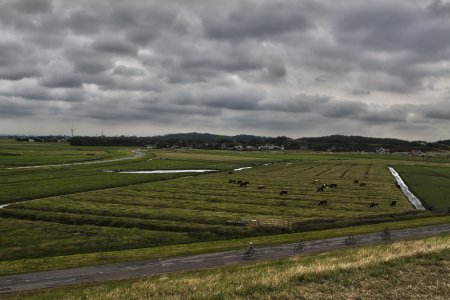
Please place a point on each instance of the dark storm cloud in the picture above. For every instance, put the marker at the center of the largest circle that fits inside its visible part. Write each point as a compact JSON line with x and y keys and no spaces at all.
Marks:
{"x":260,"y":64}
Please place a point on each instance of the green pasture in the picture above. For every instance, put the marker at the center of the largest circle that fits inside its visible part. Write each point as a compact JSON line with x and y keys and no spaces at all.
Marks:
{"x":20,"y":154}
{"x":206,"y":207}
{"x":430,"y":184}
{"x":18,"y":184}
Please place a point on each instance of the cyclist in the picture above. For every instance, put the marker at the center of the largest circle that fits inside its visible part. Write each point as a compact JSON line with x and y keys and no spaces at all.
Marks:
{"x":250,"y":248}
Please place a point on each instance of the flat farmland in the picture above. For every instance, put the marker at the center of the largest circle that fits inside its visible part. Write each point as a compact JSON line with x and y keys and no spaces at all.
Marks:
{"x":206,"y":207}
{"x":430,"y":183}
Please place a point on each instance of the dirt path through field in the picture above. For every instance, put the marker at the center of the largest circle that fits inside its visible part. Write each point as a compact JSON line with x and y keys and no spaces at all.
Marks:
{"x":50,"y":279}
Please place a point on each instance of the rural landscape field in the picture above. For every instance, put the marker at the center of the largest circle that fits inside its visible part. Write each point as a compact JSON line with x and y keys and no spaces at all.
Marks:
{"x":66,"y":206}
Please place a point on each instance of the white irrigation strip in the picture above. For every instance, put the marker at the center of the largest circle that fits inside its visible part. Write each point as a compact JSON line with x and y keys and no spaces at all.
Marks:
{"x":243,"y":168}
{"x":411,"y":197}
{"x":166,"y":171}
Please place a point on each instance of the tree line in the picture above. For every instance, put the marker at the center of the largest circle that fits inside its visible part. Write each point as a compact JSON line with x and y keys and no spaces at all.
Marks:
{"x":334,"y":143}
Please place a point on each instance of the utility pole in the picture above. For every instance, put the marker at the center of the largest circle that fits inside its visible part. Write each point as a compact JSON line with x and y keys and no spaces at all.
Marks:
{"x":72,"y":131}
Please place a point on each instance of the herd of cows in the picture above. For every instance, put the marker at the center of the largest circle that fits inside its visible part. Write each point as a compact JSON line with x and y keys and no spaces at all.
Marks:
{"x":242,"y":183}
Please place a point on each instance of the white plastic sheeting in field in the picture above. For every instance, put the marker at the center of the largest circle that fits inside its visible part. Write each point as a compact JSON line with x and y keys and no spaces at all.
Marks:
{"x":411,"y":197}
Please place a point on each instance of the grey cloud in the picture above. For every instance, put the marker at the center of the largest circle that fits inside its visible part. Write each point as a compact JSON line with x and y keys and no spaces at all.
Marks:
{"x":273,"y":67}
{"x":127,"y":71}
{"x":87,"y":61}
{"x":439,"y":110}
{"x":256,"y":19}
{"x":115,"y":46}
{"x":34,"y":6}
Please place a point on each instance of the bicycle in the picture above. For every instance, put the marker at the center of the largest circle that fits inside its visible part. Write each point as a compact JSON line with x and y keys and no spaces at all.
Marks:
{"x":385,"y":235}
{"x":350,"y":240}
{"x":300,"y":247}
{"x":252,"y":254}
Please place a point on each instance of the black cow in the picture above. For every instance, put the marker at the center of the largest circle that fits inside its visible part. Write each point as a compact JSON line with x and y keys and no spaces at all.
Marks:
{"x":373,"y":205}
{"x":320,"y":189}
{"x":333,"y":185}
{"x":355,"y":181}
{"x":230,"y":172}
{"x":393,"y":203}
{"x":243,"y":184}
{"x":283,"y":193}
{"x":239,"y":182}
{"x":362,"y":184}
{"x":323,"y":203}
{"x":232,"y":181}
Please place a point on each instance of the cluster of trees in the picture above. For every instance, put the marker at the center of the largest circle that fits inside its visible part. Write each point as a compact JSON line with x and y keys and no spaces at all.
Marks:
{"x":336,"y":143}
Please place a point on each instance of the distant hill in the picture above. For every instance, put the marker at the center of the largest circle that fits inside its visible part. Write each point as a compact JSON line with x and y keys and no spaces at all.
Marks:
{"x":335,"y":143}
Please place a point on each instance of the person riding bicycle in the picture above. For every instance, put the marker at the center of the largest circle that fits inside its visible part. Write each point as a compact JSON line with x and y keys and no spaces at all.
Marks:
{"x":250,"y":248}
{"x":386,"y":234}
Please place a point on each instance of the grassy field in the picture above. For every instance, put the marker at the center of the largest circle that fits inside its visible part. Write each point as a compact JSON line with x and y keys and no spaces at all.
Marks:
{"x":203,"y":208}
{"x":431,"y":184}
{"x":79,"y":211}
{"x":18,"y":154}
{"x":412,"y":269}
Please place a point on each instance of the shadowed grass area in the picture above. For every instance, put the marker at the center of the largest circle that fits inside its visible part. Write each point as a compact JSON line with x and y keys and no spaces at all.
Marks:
{"x":411,"y":269}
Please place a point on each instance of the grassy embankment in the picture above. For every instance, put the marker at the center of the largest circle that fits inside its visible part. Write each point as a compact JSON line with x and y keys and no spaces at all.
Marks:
{"x":411,"y":269}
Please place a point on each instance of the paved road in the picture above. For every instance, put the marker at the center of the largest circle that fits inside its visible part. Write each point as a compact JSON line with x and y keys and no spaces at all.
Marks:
{"x":49,"y":279}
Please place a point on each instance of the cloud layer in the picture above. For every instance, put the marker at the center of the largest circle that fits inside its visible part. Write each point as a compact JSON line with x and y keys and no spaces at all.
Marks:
{"x":296,"y":68}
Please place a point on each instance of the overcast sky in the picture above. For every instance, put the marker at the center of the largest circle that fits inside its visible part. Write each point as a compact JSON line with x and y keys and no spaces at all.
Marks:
{"x":295,"y":68}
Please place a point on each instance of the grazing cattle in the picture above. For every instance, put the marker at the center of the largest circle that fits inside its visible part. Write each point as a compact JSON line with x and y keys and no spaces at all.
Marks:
{"x":283,"y":193}
{"x":356,"y":181}
{"x":320,"y":189}
{"x":315,"y":181}
{"x":366,"y":174}
{"x":243,"y":184}
{"x":232,"y":181}
{"x":373,"y":205}
{"x":246,"y":182}
{"x":261,"y":186}
{"x":333,"y":185}
{"x":362,"y":184}
{"x":230,"y":172}
{"x":239,"y":182}
{"x":393,"y":203}
{"x":323,"y":203}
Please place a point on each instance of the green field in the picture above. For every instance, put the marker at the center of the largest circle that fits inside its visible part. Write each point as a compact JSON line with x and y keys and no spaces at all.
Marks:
{"x":86,"y":209}
{"x":431,"y":184}
{"x":413,"y":269}
{"x":201,"y":208}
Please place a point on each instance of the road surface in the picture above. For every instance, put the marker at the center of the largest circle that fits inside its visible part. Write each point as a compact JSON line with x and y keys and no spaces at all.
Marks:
{"x":65,"y":277}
